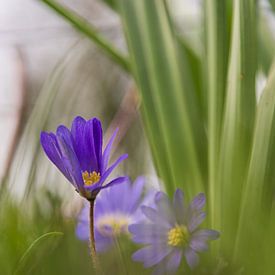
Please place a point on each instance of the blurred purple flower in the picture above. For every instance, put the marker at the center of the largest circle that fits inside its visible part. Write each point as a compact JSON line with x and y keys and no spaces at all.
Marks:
{"x":171,"y":233}
{"x":115,"y":209}
{"x":77,"y":153}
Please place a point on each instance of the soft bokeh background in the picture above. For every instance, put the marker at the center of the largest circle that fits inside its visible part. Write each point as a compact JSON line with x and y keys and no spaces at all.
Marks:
{"x":49,"y":73}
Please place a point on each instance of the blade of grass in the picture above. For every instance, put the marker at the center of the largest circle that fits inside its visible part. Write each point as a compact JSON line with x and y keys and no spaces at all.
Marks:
{"x":190,"y":67}
{"x":266,"y":43}
{"x":238,"y":119}
{"x":152,"y":126}
{"x":34,"y":245}
{"x":260,"y":173}
{"x":90,"y":32}
{"x":165,"y":98}
{"x":216,"y":69}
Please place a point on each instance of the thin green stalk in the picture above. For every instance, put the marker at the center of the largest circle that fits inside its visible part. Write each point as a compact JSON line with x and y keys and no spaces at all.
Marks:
{"x":83,"y":26}
{"x":33,"y":245}
{"x":121,"y":258}
{"x":217,"y":55}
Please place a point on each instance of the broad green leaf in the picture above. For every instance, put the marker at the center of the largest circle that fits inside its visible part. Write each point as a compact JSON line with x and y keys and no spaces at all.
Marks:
{"x":259,"y":188}
{"x":170,"y":111}
{"x":191,"y":74}
{"x":216,"y":68}
{"x":238,"y":118}
{"x":192,"y":71}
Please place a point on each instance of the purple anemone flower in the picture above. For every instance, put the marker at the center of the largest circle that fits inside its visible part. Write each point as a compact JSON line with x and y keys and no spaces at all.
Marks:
{"x":115,"y":209}
{"x":77,"y":153}
{"x":171,"y":232}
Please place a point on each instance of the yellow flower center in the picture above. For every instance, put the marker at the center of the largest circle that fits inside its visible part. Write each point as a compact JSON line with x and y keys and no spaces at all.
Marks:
{"x":90,"y":178}
{"x":178,"y":236}
{"x":117,"y":223}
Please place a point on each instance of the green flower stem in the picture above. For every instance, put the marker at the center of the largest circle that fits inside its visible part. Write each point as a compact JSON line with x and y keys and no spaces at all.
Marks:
{"x":83,"y":26}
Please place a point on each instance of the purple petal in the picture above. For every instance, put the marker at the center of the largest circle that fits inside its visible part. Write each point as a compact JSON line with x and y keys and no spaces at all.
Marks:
{"x":71,"y":162}
{"x":191,"y":257}
{"x":146,"y":228}
{"x":119,"y":197}
{"x":102,"y":243}
{"x":179,"y":209}
{"x":107,"y":152}
{"x":100,"y":205}
{"x":170,"y":264}
{"x":81,"y":141}
{"x":82,"y":230}
{"x":198,"y":202}
{"x":112,"y":167}
{"x":115,"y":182}
{"x":97,"y":187}
{"x":64,"y":133}
{"x":90,"y":145}
{"x":114,"y":199}
{"x":97,"y":134}
{"x":198,"y":245}
{"x":148,"y":233}
{"x":136,"y":192}
{"x":148,"y":200}
{"x":154,"y":216}
{"x":84,"y":213}
{"x":51,"y":148}
{"x":195,"y":221}
{"x":164,"y":208}
{"x":77,"y":126}
{"x":174,"y":261}
{"x":151,"y":255}
{"x":122,"y":197}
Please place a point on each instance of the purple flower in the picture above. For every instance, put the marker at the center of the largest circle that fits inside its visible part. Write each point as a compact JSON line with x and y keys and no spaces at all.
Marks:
{"x":77,"y":153}
{"x":171,"y":232}
{"x":115,"y":209}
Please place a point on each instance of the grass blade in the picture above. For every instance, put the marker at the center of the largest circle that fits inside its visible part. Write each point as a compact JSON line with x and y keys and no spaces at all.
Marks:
{"x":170,"y":111}
{"x":90,"y":32}
{"x":34,"y":245}
{"x":238,"y":119}
{"x":217,"y":55}
{"x":260,"y":180}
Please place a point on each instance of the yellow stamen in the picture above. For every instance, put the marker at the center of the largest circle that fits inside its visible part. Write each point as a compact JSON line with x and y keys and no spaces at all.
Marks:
{"x":90,"y":178}
{"x":118,"y":224}
{"x":178,"y":236}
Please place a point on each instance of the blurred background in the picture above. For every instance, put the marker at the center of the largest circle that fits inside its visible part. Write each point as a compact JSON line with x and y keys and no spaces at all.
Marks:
{"x":49,"y":73}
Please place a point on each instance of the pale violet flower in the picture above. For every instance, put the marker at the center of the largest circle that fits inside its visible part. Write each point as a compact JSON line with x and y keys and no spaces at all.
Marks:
{"x":171,"y":233}
{"x":116,"y":208}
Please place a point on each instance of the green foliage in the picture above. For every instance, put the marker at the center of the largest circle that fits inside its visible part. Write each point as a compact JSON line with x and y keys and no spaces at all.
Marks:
{"x":173,"y":119}
{"x":206,"y":131}
{"x":27,"y":259}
